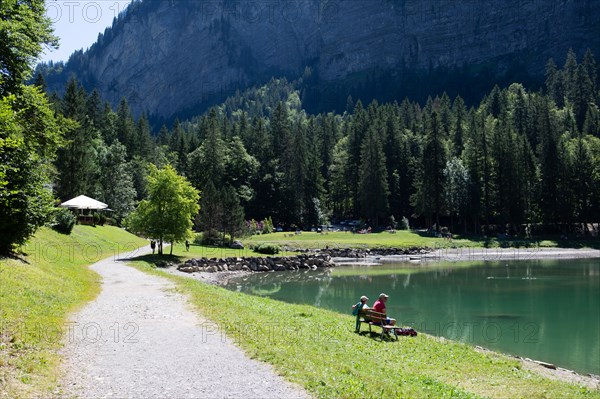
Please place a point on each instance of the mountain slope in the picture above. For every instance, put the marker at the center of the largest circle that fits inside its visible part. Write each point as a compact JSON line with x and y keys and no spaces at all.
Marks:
{"x":172,"y":56}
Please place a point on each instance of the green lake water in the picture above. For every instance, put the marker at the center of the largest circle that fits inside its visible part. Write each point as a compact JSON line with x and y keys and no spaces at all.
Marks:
{"x":545,"y":310}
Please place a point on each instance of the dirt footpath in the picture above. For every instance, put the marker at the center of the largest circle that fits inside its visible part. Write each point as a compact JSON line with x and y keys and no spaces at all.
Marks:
{"x":140,"y":339}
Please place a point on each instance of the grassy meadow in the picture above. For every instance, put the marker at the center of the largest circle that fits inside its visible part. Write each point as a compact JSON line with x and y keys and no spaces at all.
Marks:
{"x":38,"y":290}
{"x":205,"y":251}
{"x":319,"y":350}
{"x":407,"y":239}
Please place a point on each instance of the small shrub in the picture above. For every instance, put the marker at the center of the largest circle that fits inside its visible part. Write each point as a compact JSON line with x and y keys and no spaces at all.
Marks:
{"x":211,"y":237}
{"x":404,"y":225}
{"x":100,"y":219}
{"x":64,"y":221}
{"x":267,"y":226}
{"x":267,"y":249}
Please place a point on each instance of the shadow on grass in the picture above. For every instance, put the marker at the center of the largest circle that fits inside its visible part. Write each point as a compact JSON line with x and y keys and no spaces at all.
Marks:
{"x":160,"y":261}
{"x":15,"y":256}
{"x":376,"y":336}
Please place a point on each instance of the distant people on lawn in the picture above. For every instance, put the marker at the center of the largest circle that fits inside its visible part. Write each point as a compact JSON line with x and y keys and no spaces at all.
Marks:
{"x":187,"y":245}
{"x":153,"y":246}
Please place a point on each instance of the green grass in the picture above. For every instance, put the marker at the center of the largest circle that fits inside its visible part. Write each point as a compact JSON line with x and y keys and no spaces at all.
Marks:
{"x":406,"y":239}
{"x":400,"y":239}
{"x":38,"y":289}
{"x":318,"y":349}
{"x":204,"y":251}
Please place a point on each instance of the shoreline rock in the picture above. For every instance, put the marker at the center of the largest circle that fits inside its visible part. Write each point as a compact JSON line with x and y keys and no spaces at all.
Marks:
{"x":257,"y":264}
{"x":363,"y":253}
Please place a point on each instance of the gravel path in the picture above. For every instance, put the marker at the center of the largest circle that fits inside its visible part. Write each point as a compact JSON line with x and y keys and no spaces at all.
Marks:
{"x":140,"y":339}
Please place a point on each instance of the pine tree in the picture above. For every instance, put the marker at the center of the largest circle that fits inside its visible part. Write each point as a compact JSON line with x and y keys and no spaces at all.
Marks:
{"x":340,"y":195}
{"x":145,"y":143}
{"x":460,"y":113}
{"x":456,"y":194}
{"x":313,"y":186}
{"x":240,"y":170}
{"x":555,"y":84}
{"x":392,"y":150}
{"x":210,"y":218}
{"x":356,"y":133}
{"x":94,"y":110}
{"x":40,"y":82}
{"x":117,"y":183}
{"x":429,"y":196}
{"x":108,"y":125}
{"x":125,"y":128}
{"x":233,"y":213}
{"x":163,"y":136}
{"x":582,"y":178}
{"x":551,"y":166}
{"x":208,"y":162}
{"x":373,"y":184}
{"x":77,"y":161}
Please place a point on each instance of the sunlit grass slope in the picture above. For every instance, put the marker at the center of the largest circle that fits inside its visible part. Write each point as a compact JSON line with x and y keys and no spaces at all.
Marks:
{"x":38,"y":290}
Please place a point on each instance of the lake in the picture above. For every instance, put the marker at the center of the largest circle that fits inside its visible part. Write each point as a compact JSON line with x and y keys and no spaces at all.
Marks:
{"x":545,"y":310}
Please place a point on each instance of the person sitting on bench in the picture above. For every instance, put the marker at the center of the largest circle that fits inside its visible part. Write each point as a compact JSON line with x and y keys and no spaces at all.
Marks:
{"x":379,"y":306}
{"x":362,"y":305}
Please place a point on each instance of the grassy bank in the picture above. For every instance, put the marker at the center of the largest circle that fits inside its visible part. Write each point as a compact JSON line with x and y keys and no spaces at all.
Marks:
{"x":406,"y":239}
{"x":318,"y":349}
{"x":205,"y":251}
{"x":38,"y":290}
{"x":400,"y":239}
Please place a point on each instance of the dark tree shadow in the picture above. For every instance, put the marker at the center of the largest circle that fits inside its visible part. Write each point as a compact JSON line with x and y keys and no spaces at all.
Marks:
{"x":15,"y":256}
{"x":159,"y":261}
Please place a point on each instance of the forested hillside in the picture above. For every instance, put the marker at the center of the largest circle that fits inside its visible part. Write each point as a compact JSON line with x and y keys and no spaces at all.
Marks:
{"x":519,"y":157}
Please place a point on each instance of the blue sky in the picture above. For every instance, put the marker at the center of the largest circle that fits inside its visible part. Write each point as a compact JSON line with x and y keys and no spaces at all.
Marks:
{"x":78,"y":22}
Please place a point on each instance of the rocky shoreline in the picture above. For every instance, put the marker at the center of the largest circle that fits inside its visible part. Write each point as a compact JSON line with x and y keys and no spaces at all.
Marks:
{"x":257,"y":264}
{"x":326,"y":258}
{"x":363,"y":253}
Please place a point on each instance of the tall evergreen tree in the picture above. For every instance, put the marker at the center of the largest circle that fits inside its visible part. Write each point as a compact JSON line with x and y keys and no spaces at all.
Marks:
{"x":117,"y":183}
{"x":208,"y":162}
{"x":373,"y":184}
{"x":145,"y":143}
{"x":77,"y":161}
{"x":460,"y":113}
{"x":457,"y":190}
{"x":429,"y":196}
{"x":233,"y":213}
{"x":125,"y":128}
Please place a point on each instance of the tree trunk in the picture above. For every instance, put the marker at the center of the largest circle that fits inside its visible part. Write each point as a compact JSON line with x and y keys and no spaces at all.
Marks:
{"x":160,"y":246}
{"x":171,"y":253}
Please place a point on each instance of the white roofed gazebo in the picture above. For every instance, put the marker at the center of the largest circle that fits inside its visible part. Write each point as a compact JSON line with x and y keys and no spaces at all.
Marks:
{"x":83,"y":206}
{"x":84,"y":202}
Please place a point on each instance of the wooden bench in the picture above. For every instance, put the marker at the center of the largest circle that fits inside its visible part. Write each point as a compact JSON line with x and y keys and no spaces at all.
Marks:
{"x":373,"y":318}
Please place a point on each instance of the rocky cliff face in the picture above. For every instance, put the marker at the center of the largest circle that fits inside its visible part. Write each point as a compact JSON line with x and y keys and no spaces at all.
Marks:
{"x":174,"y":55}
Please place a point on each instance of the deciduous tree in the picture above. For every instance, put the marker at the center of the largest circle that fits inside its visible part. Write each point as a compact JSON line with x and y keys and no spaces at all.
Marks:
{"x":168,"y":212}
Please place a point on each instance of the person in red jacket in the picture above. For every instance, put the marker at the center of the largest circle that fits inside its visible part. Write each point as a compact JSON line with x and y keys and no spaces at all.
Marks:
{"x":379,"y":306}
